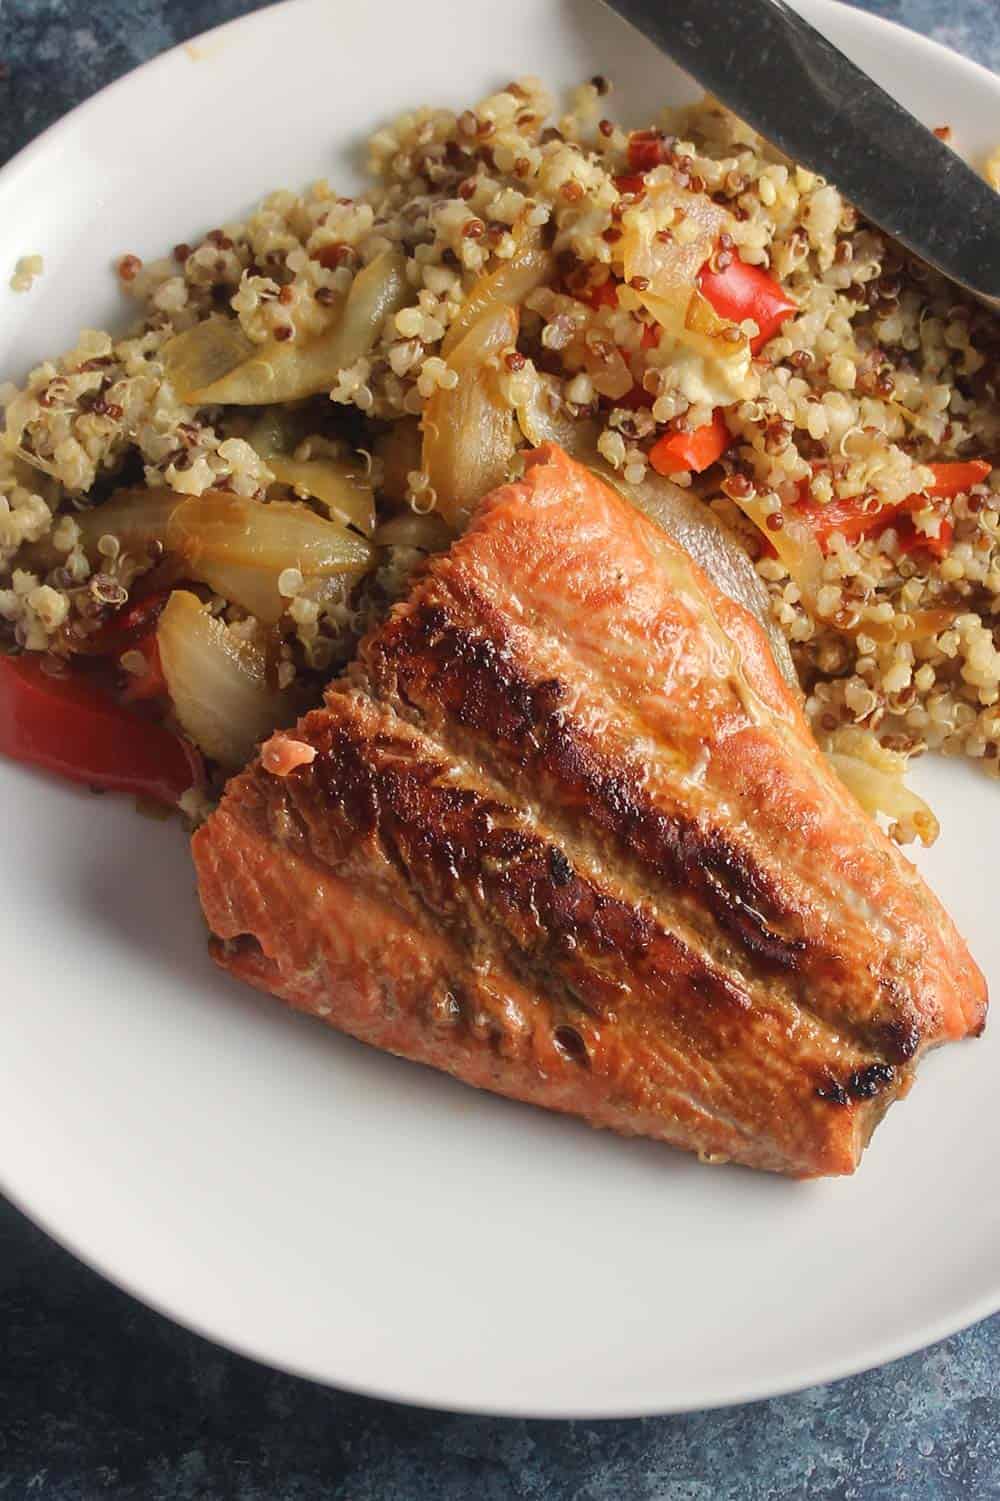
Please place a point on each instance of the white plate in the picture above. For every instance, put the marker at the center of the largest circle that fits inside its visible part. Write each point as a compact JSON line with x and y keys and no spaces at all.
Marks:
{"x":285,"y":1190}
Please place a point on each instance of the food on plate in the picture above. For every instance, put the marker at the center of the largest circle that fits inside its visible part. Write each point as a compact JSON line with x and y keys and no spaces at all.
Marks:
{"x":314,"y":400}
{"x":639,"y":500}
{"x":562,"y":830}
{"x":77,"y":728}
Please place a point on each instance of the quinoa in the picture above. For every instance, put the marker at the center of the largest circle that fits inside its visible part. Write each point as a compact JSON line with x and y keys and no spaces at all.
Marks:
{"x":26,"y":272}
{"x":882,"y":369}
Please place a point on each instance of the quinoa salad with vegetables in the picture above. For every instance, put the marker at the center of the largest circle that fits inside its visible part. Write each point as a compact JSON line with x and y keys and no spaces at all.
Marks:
{"x":199,"y":519}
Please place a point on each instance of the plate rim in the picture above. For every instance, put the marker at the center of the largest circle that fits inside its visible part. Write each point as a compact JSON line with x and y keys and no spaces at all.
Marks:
{"x":879,"y":1351}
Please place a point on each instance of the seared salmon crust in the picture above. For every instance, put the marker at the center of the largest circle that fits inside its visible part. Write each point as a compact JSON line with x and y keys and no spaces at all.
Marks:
{"x":566,"y":835}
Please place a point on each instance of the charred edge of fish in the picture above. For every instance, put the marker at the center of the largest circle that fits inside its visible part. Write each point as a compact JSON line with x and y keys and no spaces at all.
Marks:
{"x":863,"y":1084}
{"x":243,"y":945}
{"x":902,"y":1038}
{"x":571,"y":1044}
{"x":479,"y":684}
{"x":559,"y":867}
{"x":866,"y":1083}
{"x":243,"y":956}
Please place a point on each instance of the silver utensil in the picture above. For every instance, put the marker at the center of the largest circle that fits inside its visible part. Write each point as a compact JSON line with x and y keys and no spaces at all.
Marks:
{"x":764,"y":61}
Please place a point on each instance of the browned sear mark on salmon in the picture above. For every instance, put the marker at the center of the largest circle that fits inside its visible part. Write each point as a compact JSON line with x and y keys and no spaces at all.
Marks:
{"x":476,"y":680}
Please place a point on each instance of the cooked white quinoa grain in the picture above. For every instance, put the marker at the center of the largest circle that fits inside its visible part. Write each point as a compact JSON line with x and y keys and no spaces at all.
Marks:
{"x":27,"y":270}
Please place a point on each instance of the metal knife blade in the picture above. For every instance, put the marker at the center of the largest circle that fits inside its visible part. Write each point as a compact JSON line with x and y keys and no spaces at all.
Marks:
{"x":766,"y":62}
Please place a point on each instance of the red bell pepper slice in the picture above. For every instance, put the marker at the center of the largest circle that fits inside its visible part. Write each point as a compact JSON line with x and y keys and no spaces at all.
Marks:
{"x":73,"y":727}
{"x":912,"y":540}
{"x":852,"y":522}
{"x":134,"y":629}
{"x":606,"y":295}
{"x":646,"y":149}
{"x":742,"y":291}
{"x":955,"y":478}
{"x":123,"y":629}
{"x":680,"y":453}
{"x":846,"y":518}
{"x":150,"y":682}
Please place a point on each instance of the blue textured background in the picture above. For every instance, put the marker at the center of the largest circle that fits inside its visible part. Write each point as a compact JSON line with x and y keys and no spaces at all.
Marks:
{"x":99,"y":1397}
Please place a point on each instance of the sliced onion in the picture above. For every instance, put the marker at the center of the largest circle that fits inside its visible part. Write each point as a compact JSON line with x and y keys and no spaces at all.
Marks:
{"x":205,"y":354}
{"x":912,"y":627}
{"x":399,"y":451}
{"x":713,"y":547}
{"x":274,"y":432}
{"x":217,"y":684}
{"x":692,"y":224}
{"x":377,"y":292}
{"x":468,"y":444}
{"x":341,"y":488}
{"x":469,"y":430}
{"x":796,"y":546}
{"x":241,"y":547}
{"x":291,"y":369}
{"x":428,"y":533}
{"x":609,"y":373}
{"x":689,"y":318}
{"x":875,"y":776}
{"x":136,"y":517}
{"x":508,"y":286}
{"x":543,"y":418}
{"x":486,"y":339}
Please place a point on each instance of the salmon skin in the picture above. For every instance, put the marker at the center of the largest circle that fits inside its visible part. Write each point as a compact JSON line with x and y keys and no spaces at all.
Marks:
{"x":562,"y":831}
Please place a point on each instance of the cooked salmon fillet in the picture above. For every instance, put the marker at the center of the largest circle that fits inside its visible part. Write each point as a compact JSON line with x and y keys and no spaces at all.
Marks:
{"x":562,"y":831}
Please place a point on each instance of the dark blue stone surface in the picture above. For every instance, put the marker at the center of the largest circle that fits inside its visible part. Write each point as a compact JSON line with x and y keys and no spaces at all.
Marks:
{"x":99,"y":1397}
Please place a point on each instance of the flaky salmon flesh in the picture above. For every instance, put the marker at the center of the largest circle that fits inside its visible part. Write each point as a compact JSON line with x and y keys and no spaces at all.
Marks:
{"x":562,"y":831}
